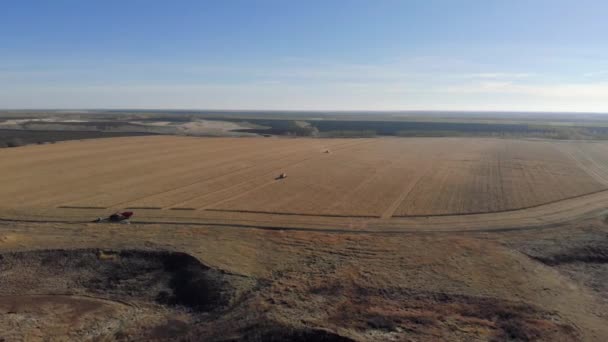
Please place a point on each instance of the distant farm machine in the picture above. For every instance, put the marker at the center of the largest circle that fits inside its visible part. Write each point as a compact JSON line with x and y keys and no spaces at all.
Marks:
{"x":116,"y":217}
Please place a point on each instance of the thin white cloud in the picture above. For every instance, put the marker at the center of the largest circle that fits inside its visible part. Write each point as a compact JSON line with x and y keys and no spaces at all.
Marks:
{"x":501,"y":75}
{"x":340,"y":96}
{"x":398,"y":84}
{"x":596,"y":73}
{"x":565,"y":90}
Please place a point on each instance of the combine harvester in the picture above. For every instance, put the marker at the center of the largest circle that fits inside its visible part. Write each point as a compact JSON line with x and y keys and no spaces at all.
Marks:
{"x":116,"y":218}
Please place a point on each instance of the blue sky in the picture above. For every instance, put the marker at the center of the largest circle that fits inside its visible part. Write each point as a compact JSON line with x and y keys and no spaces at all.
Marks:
{"x":549,"y":55}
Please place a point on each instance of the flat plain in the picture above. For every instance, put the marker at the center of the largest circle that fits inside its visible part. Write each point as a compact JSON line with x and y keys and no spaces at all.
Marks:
{"x":380,"y":178}
{"x":384,"y":239}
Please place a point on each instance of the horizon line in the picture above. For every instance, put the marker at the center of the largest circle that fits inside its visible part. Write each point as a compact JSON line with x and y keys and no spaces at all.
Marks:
{"x":305,"y":110}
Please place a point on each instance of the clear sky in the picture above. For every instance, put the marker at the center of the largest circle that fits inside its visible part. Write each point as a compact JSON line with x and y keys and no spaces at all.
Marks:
{"x":515,"y":55}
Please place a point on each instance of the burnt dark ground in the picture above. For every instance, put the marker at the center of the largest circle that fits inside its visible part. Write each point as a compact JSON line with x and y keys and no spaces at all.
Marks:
{"x":156,"y":282}
{"x":582,"y":255}
{"x":153,"y":282}
{"x":304,"y":286}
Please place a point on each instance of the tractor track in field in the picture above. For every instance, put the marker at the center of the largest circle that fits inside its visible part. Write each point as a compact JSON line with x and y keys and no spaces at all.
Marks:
{"x":593,"y":170}
{"x":239,"y":194}
{"x":249,"y":181}
{"x":194,"y":182}
{"x":550,"y":215}
{"x":321,"y":230}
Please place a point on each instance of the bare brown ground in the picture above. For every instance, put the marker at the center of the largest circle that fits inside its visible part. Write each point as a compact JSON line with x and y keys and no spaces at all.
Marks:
{"x":365,"y":287}
{"x":38,"y":317}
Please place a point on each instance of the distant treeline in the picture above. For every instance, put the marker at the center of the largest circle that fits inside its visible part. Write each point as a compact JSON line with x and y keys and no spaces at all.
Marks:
{"x":343,"y":128}
{"x":16,"y":138}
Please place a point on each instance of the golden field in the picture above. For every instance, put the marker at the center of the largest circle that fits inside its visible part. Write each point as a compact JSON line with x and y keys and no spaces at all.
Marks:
{"x":371,"y":178}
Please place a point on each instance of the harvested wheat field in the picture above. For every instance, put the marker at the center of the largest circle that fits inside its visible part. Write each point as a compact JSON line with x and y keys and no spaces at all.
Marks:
{"x":386,"y":239}
{"x":380,"y":179}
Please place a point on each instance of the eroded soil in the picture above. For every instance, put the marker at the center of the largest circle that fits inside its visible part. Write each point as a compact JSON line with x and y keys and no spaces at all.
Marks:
{"x":260,"y":285}
{"x":88,"y":294}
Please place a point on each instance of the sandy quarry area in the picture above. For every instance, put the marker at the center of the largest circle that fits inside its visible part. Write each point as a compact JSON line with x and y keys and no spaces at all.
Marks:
{"x":420,"y":239}
{"x":196,"y":127}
